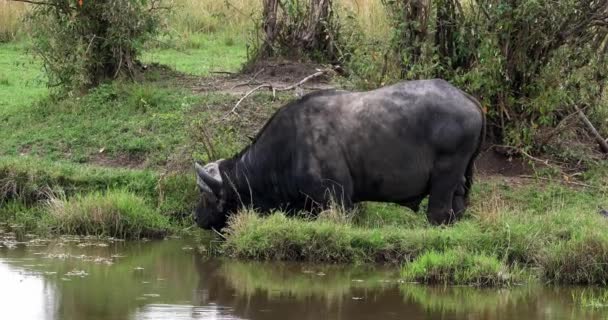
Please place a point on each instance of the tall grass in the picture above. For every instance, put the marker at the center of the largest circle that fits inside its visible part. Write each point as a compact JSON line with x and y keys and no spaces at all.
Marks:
{"x":232,"y":17}
{"x":118,"y":214}
{"x":10,"y":16}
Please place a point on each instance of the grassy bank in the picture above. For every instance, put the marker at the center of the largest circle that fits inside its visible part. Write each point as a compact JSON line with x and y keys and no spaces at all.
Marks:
{"x":51,"y":197}
{"x":553,"y":231}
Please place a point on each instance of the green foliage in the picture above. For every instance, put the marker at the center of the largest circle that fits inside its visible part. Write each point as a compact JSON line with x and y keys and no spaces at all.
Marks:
{"x":117,"y":214}
{"x":457,"y":267}
{"x":83,"y":45}
{"x":529,"y":62}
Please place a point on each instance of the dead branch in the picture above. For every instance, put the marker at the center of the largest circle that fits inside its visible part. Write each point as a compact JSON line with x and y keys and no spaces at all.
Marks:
{"x":223,"y":72}
{"x":265,"y":85}
{"x":602,"y":142}
{"x":274,"y":90}
{"x":303,"y":81}
{"x":36,"y":2}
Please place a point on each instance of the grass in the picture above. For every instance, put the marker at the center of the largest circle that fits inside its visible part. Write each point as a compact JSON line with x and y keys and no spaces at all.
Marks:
{"x":594,"y":299}
{"x":10,"y":15}
{"x":199,"y":54}
{"x":551,"y":229}
{"x":20,"y":79}
{"x":116,"y":213}
{"x":457,"y":267}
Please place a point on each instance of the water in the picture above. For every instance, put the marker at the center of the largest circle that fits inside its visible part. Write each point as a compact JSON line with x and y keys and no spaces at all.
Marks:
{"x":170,"y":279}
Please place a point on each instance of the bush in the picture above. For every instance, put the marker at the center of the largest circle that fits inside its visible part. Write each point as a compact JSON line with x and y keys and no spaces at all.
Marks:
{"x":83,"y":43}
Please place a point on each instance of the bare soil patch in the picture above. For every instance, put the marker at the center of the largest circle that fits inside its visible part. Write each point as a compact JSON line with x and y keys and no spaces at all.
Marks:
{"x":276,"y":73}
{"x":491,"y":162}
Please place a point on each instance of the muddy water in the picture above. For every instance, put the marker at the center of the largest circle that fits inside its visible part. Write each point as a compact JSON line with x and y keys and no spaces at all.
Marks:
{"x":170,"y":279}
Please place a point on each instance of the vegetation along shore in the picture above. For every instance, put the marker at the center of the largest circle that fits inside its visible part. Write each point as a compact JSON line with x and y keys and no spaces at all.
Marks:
{"x":101,"y":127}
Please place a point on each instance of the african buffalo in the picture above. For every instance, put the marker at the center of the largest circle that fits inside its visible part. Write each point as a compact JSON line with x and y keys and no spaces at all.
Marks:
{"x":395,"y":144}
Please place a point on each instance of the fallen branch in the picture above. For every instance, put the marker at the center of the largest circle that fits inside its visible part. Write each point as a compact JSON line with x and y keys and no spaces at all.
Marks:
{"x":303,"y":81}
{"x":223,"y":72}
{"x":602,"y":142}
{"x":266,"y":85}
{"x":274,"y":90}
{"x":37,"y":2}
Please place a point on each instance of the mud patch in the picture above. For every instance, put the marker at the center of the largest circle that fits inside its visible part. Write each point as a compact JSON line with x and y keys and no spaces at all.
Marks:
{"x":491,"y":162}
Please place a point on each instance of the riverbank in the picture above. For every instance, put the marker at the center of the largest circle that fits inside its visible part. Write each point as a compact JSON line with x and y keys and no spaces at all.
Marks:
{"x":541,"y":230}
{"x":117,"y":162}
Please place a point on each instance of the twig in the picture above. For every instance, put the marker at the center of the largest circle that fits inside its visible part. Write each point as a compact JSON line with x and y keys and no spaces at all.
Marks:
{"x":265,"y":85}
{"x":223,"y":72}
{"x":602,"y":142}
{"x":218,"y":233}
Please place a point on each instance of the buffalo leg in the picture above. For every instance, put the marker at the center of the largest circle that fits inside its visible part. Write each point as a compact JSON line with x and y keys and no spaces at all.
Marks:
{"x":446,"y":177}
{"x":458,"y":202}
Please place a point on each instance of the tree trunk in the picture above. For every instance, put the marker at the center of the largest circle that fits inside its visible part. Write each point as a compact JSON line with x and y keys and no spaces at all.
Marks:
{"x":306,"y":28}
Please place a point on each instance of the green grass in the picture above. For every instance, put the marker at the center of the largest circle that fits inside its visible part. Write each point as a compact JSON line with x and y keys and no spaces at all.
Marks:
{"x":26,"y":184}
{"x":21,"y":79}
{"x":551,"y":229}
{"x":117,"y":213}
{"x":457,"y":267}
{"x":137,"y":123}
{"x":199,"y":54}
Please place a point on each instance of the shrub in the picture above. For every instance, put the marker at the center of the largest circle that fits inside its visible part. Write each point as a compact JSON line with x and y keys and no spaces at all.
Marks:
{"x":83,"y":43}
{"x":530,"y":62}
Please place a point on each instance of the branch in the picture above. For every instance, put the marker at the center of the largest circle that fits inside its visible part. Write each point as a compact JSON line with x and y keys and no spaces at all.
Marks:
{"x":37,"y":2}
{"x":602,"y":142}
{"x":303,"y":81}
{"x":274,"y":90}
{"x":265,"y":85}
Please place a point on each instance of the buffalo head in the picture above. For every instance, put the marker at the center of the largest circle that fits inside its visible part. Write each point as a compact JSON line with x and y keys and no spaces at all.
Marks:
{"x":211,"y":210}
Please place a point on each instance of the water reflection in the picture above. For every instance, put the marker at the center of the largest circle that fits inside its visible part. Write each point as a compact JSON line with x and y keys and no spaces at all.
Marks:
{"x":169,"y":280}
{"x":24,"y":296}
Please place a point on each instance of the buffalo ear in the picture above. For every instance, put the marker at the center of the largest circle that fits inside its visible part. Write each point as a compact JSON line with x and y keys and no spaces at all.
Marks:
{"x":206,"y":182}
